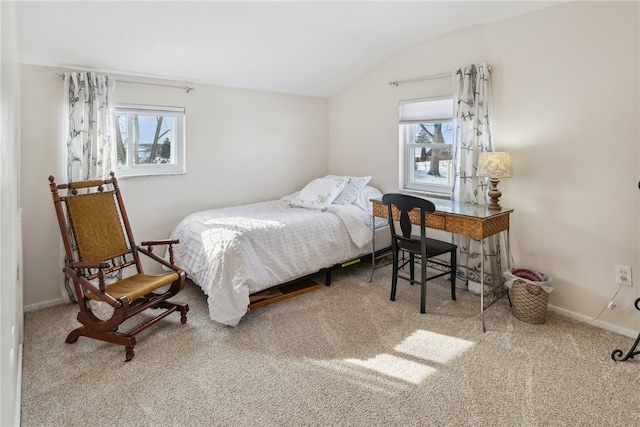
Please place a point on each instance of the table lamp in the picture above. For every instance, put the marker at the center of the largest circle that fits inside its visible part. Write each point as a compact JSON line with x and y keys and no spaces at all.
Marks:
{"x":494,"y":165}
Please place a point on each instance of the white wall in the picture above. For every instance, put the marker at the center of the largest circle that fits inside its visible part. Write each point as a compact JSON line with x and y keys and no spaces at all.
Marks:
{"x":11,"y":317}
{"x":566,"y":104}
{"x":242,"y":146}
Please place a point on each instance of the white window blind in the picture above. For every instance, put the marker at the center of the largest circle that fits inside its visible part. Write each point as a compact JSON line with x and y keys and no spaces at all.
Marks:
{"x":426,"y":111}
{"x":150,"y":108}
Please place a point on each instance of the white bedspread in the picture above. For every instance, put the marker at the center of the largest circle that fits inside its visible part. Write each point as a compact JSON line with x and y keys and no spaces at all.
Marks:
{"x":236,"y":251}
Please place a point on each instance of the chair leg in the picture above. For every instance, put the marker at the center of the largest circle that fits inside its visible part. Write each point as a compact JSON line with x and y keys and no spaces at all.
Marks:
{"x":129,"y":353}
{"x":394,"y":277}
{"x":126,"y":340}
{"x":454,"y":268}
{"x":412,"y":268}
{"x":183,"y":308}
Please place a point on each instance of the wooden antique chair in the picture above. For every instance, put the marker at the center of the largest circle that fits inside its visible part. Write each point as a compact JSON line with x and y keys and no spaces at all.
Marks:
{"x":401,"y":207}
{"x":103,"y":261}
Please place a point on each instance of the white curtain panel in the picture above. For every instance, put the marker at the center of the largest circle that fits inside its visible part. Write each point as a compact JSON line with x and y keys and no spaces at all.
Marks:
{"x":88,"y":128}
{"x":472,"y":115}
{"x":89,"y":125}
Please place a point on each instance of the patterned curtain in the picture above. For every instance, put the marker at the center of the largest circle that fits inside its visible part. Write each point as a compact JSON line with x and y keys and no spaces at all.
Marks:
{"x":472,"y":116}
{"x":89,"y":123}
{"x":90,"y":99}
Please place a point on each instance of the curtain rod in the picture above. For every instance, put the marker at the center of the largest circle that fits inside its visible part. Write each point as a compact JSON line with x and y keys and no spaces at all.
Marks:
{"x":435,"y":76}
{"x":187,"y":88}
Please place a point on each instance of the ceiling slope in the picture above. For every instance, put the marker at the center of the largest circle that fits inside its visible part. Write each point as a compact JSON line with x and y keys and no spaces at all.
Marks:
{"x":313,"y":48}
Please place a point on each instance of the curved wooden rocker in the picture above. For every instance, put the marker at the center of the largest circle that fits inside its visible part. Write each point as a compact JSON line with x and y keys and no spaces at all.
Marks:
{"x":100,"y":250}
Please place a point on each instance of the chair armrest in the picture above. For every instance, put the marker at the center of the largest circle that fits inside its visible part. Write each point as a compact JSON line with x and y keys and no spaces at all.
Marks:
{"x":169,"y":264}
{"x":151,"y":243}
{"x":82,"y":264}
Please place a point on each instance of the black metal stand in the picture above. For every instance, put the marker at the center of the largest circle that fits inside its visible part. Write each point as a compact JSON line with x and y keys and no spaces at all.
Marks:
{"x":616,"y":354}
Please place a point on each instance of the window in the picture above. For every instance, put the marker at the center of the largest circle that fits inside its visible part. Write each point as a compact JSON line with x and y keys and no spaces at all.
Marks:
{"x":426,"y":136}
{"x":149,"y":140}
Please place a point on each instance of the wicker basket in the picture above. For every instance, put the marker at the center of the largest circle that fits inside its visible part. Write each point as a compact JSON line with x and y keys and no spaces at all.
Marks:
{"x":528,"y":302}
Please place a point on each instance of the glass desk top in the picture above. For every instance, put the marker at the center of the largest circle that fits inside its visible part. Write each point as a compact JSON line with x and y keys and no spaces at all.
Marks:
{"x":461,"y":208}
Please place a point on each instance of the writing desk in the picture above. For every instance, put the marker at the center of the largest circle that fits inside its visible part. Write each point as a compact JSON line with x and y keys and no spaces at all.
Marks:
{"x":466,"y":219}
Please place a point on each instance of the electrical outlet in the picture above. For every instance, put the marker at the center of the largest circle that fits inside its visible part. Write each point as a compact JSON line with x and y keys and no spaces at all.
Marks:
{"x":623,"y":275}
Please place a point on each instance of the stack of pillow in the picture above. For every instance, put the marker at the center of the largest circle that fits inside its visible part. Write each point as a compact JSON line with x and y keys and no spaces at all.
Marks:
{"x":340,"y":190}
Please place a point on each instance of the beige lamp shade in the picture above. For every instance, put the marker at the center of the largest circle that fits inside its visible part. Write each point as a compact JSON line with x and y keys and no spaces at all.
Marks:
{"x":495,"y":165}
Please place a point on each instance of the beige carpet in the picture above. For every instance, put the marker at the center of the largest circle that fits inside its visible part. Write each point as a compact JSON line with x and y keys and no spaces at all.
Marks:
{"x":342,"y":355}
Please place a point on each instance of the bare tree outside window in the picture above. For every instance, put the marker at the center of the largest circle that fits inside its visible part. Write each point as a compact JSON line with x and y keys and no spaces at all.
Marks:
{"x":433,"y":134}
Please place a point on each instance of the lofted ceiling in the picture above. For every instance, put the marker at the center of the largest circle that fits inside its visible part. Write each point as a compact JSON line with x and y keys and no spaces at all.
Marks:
{"x":314,"y":48}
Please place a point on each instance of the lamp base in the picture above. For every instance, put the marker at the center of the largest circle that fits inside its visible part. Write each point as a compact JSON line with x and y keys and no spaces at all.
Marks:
{"x":494,"y":195}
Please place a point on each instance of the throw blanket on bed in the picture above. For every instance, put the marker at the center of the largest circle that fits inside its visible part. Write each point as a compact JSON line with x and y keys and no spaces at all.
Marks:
{"x":236,"y":251}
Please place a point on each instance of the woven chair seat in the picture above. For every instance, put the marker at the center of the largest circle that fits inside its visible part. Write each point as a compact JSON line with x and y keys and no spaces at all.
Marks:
{"x":136,"y":286}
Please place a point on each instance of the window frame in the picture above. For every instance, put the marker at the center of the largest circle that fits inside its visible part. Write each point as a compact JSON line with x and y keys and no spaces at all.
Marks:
{"x":407,"y":149}
{"x":178,"y":147}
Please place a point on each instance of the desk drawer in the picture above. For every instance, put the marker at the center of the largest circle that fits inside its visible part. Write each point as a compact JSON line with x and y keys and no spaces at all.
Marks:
{"x":380,"y":210}
{"x":436,"y":221}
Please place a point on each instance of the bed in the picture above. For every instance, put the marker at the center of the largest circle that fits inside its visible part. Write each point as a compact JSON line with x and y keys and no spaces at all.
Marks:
{"x":233,"y":252}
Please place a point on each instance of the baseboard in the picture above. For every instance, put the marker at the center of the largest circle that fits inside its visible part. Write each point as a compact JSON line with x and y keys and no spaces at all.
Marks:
{"x":593,"y":322}
{"x":474,"y":289}
{"x":46,"y":304}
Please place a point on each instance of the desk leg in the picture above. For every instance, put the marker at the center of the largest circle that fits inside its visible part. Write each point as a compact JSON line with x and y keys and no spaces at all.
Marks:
{"x":373,"y":247}
{"x":509,"y":256}
{"x":484,"y":329}
{"x":494,"y":298}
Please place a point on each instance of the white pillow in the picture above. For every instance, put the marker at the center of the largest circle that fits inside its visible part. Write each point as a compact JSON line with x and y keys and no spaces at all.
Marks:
{"x":351,"y":190}
{"x":363,"y":200}
{"x":319,"y":193}
{"x":289,"y":197}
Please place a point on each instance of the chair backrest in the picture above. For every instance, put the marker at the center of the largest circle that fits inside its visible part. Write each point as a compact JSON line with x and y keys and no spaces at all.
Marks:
{"x":94,"y":224}
{"x":406,"y":203}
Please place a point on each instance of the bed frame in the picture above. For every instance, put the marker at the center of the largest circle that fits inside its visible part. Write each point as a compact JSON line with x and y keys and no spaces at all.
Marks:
{"x":303,"y":284}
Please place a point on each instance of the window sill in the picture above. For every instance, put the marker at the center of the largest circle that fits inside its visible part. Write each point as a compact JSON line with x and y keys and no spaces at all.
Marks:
{"x":149,"y":174}
{"x":424,"y":194}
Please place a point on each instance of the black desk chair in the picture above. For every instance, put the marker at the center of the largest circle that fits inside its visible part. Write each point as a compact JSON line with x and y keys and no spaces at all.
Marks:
{"x":421,"y":246}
